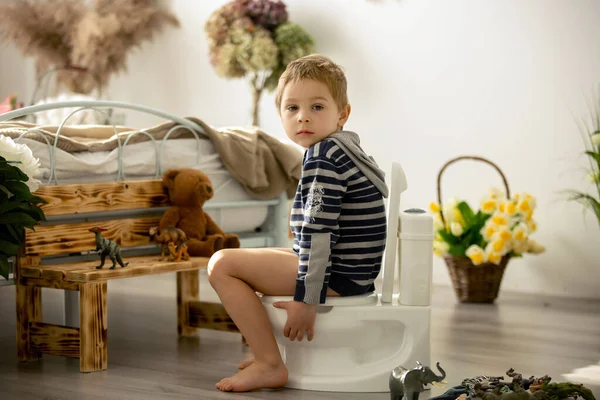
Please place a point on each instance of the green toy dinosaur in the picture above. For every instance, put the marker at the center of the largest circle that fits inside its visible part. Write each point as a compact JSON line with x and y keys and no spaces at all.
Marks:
{"x":106,"y":247}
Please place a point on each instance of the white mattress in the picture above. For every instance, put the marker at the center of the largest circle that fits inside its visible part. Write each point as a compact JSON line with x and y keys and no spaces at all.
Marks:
{"x":139,"y":162}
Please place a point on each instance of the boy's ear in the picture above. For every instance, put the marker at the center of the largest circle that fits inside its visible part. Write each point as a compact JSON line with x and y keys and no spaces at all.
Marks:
{"x":344,"y":114}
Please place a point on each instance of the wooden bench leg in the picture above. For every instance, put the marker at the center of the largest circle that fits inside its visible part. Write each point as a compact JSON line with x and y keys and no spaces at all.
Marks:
{"x":93,"y":327}
{"x":188,"y":289}
{"x":29,"y":309}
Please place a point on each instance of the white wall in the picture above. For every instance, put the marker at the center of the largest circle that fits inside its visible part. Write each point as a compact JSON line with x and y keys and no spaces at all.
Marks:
{"x":428,"y":80}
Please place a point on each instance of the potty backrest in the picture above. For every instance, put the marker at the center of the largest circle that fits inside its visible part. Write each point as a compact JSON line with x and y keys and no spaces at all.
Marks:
{"x":398,"y":185}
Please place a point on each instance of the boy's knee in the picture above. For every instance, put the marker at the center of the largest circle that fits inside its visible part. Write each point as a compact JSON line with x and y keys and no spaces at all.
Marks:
{"x":217,"y":265}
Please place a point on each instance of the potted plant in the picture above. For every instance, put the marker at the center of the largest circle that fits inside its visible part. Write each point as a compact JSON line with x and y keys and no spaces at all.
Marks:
{"x":591,"y":137}
{"x":477,"y":245}
{"x":18,"y":206}
{"x":255,"y":39}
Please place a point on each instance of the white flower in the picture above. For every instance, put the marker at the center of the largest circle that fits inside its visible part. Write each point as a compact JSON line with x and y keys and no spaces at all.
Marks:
{"x":456,"y":229}
{"x":29,"y":165}
{"x":596,"y":138}
{"x":496,"y":193}
{"x":440,"y":247}
{"x":534,"y":247}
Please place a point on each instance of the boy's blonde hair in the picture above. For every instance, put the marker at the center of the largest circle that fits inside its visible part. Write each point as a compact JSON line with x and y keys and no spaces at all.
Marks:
{"x":318,"y":68}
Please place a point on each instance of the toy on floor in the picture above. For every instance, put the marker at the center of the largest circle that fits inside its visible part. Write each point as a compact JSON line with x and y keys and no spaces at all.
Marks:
{"x":410,"y":383}
{"x":188,"y":189}
{"x":493,"y":388}
{"x":106,"y":247}
{"x":179,"y":252}
{"x":166,"y":236}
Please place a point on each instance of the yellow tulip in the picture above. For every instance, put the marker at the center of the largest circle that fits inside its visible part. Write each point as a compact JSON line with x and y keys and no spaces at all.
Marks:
{"x":532,"y":225}
{"x":520,"y":232}
{"x":500,"y":219}
{"x":488,"y":205}
{"x":488,"y":230}
{"x":524,"y":206}
{"x":494,"y":258}
{"x":504,"y":234}
{"x":498,"y":245}
{"x":476,"y":254}
{"x":434,"y":207}
{"x":510,"y":208}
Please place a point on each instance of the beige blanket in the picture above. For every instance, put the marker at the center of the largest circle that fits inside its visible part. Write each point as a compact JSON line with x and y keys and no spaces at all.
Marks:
{"x":262,"y":164}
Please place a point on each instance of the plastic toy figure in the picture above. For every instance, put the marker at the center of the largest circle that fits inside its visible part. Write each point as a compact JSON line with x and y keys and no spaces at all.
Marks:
{"x":167,"y":236}
{"x":409,"y":383}
{"x":178,"y":252}
{"x":106,"y":247}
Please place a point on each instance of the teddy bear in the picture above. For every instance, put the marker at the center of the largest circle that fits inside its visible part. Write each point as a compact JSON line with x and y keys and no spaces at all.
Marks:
{"x":188,"y":189}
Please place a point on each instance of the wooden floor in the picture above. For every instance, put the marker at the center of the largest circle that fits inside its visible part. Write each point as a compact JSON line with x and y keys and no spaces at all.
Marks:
{"x":535,"y":335}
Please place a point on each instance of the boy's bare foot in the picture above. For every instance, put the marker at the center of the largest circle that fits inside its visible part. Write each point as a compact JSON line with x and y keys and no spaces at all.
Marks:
{"x":255,"y":376}
{"x":246,"y":362}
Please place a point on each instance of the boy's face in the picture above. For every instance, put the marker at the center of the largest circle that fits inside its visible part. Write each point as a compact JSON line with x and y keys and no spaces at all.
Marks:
{"x":308,"y":112}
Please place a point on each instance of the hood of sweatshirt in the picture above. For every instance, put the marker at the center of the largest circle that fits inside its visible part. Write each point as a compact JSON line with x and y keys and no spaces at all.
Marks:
{"x":350,"y":143}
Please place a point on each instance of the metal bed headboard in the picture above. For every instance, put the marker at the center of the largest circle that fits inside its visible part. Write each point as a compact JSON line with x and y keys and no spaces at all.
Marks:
{"x":97,"y":106}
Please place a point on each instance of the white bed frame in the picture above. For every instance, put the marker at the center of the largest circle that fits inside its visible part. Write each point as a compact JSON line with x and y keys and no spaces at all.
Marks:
{"x":272,"y":233}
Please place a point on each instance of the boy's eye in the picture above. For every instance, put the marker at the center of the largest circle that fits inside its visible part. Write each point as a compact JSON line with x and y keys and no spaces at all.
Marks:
{"x":291,"y":108}
{"x":318,"y":107}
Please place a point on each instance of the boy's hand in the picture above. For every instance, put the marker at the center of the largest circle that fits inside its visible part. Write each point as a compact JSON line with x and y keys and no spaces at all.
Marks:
{"x":301,"y":319}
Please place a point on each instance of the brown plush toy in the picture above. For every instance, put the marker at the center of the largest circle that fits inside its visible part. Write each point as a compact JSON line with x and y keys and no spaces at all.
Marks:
{"x":188,"y":189}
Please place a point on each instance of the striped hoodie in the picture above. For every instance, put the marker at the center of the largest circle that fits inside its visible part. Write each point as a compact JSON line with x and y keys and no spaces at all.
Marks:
{"x":338,"y":220}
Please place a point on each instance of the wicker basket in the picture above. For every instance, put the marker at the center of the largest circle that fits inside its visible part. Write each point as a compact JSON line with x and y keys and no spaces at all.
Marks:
{"x":473,"y":283}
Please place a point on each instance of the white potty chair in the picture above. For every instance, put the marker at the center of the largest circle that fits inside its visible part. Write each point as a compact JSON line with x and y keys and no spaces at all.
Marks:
{"x":358,"y":340}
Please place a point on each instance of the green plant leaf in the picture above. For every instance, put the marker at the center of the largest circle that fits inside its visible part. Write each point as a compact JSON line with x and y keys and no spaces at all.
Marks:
{"x":31,"y":210}
{"x":10,"y":172}
{"x":448,"y":237}
{"x":5,"y":191}
{"x":587,"y":201}
{"x":467,"y":213}
{"x":14,"y":232}
{"x":9,"y":248}
{"x":18,"y":189}
{"x":18,"y":218}
{"x":4,"y":266}
{"x":9,"y":205}
{"x":458,"y":250}
{"x":5,"y":234}
{"x":594,"y":155}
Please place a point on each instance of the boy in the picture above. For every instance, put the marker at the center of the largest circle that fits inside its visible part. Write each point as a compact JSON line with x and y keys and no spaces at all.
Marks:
{"x":338,"y":222}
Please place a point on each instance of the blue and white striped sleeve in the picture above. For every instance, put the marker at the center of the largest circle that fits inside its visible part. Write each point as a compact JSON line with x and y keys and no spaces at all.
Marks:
{"x":323,"y":187}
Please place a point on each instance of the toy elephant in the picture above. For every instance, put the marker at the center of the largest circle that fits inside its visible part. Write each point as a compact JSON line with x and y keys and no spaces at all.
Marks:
{"x":409,"y":383}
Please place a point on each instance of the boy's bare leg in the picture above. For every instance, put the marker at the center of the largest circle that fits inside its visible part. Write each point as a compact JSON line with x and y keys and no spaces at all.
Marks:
{"x":236,"y":274}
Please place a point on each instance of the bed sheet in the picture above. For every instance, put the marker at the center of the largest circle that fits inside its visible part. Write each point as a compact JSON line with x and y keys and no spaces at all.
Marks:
{"x":139,"y":162}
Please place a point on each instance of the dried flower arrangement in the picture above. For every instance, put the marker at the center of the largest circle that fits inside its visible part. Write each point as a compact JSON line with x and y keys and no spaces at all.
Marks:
{"x":255,"y":38}
{"x":94,"y":36}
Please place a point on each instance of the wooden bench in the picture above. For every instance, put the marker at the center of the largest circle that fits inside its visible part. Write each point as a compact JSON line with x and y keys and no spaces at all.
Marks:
{"x":54,"y":256}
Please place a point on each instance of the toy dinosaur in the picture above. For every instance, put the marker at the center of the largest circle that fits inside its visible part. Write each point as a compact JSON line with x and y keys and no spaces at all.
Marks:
{"x":166,"y":236}
{"x":178,"y":252}
{"x":106,"y":247}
